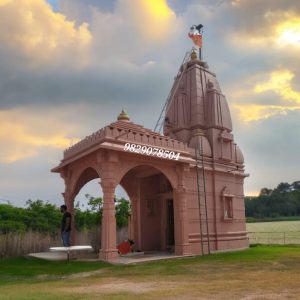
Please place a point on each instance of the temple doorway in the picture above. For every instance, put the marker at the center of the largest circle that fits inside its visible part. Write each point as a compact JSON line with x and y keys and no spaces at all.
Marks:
{"x":152,"y":217}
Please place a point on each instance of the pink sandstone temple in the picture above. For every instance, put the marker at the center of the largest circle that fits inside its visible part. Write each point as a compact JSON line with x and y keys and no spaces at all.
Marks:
{"x":185,"y":186}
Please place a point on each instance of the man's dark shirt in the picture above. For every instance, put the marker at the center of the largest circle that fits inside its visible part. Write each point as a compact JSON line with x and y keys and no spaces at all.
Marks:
{"x":64,"y":220}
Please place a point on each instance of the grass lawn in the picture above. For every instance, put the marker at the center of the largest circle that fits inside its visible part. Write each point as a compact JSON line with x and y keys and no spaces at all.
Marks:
{"x":257,"y":273}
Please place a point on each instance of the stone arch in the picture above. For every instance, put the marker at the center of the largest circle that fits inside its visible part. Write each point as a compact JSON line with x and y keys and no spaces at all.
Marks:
{"x":166,"y":171}
{"x":86,"y":176}
{"x":150,"y":188}
{"x":82,"y":176}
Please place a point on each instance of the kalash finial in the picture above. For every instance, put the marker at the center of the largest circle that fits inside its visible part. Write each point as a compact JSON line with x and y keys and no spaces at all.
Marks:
{"x":194,"y":55}
{"x":123,"y":116}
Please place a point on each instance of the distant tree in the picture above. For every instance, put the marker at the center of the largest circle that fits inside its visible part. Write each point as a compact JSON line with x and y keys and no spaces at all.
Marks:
{"x":265,"y":192}
{"x":12,"y":226}
{"x":37,"y":215}
{"x":92,"y":216}
{"x":42,"y":216}
{"x":283,"y":187}
{"x":11,"y":219}
{"x":46,"y":217}
{"x":284,"y":201}
{"x":123,"y":211}
{"x":95,"y":204}
{"x":295,"y":186}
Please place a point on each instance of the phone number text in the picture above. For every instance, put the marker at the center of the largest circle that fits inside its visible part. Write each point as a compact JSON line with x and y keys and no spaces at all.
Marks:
{"x":151,"y":151}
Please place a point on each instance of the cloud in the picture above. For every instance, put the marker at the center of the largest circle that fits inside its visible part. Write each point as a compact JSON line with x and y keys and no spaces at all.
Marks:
{"x":23,"y":134}
{"x":153,"y":20}
{"x":129,"y":31}
{"x":268,"y":23}
{"x":270,"y":148}
{"x":288,"y":32}
{"x":280,"y":83}
{"x":276,"y":96}
{"x":149,"y":21}
{"x":31,"y":28}
{"x":120,"y":51}
{"x":257,"y":112}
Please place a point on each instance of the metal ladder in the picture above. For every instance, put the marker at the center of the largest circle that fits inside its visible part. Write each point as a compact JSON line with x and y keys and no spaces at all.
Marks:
{"x":161,"y":119}
{"x":202,"y":203}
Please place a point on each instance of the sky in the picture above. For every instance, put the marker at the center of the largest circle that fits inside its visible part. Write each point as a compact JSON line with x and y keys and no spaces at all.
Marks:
{"x":68,"y":67}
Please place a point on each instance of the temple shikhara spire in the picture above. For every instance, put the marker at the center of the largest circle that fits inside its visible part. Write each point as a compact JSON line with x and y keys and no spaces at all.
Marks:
{"x":185,"y":186}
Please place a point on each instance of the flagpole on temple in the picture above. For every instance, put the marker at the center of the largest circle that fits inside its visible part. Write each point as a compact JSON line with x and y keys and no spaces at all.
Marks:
{"x":200,"y":28}
{"x":196,"y":35}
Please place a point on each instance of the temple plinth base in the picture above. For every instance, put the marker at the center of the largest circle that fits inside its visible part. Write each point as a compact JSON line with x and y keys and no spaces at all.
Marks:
{"x":183,"y":249}
{"x":108,"y":255}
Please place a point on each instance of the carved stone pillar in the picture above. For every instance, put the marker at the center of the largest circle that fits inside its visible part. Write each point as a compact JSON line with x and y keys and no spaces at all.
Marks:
{"x":182,"y":246}
{"x":108,"y":228}
{"x":108,"y":160}
{"x":69,"y":202}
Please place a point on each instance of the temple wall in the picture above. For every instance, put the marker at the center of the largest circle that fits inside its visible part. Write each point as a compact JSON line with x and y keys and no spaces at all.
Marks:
{"x":224,"y":233}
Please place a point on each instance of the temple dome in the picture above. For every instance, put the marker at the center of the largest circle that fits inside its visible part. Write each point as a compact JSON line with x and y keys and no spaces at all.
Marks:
{"x":123,"y":116}
{"x":199,"y":141}
{"x":239,"y":158}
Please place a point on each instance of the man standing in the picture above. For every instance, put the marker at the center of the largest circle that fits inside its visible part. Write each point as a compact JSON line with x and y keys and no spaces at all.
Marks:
{"x":65,"y":226}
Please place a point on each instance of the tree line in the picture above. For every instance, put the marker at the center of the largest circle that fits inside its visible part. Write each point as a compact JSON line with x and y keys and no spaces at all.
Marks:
{"x":283,"y":202}
{"x":45,"y":217}
{"x":279,"y":203}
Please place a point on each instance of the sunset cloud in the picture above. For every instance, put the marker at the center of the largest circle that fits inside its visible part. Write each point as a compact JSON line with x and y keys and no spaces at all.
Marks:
{"x":153,"y":20}
{"x":280,"y":83}
{"x":33,"y":29}
{"x":275,"y":28}
{"x":23,"y":137}
{"x":256,"y":112}
{"x":274,"y":87}
{"x":288,"y":32}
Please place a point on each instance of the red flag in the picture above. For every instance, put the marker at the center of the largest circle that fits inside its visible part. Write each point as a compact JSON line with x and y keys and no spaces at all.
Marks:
{"x":196,"y":38}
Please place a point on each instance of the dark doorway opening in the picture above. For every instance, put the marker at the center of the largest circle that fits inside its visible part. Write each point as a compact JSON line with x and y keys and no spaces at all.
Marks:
{"x":170,"y":225}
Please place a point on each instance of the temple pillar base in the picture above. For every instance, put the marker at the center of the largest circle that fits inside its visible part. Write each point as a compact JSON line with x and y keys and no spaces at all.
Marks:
{"x":108,"y":254}
{"x":183,"y":249}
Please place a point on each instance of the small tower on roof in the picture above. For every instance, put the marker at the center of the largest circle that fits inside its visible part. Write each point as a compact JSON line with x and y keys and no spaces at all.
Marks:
{"x":123,"y":116}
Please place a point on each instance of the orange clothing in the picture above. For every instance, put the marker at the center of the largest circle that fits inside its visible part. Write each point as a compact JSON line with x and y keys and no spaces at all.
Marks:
{"x":124,"y":247}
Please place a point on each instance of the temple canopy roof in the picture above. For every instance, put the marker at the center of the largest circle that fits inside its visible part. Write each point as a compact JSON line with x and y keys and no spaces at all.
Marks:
{"x":115,"y":135}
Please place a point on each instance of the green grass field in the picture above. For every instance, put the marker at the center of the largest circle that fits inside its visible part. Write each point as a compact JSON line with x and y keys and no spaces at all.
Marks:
{"x":279,"y":232}
{"x":279,"y":226}
{"x":263,"y":272}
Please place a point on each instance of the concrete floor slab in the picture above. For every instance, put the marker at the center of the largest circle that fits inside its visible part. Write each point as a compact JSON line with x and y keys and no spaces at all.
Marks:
{"x":147,"y":256}
{"x":52,"y":256}
{"x":132,"y":258}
